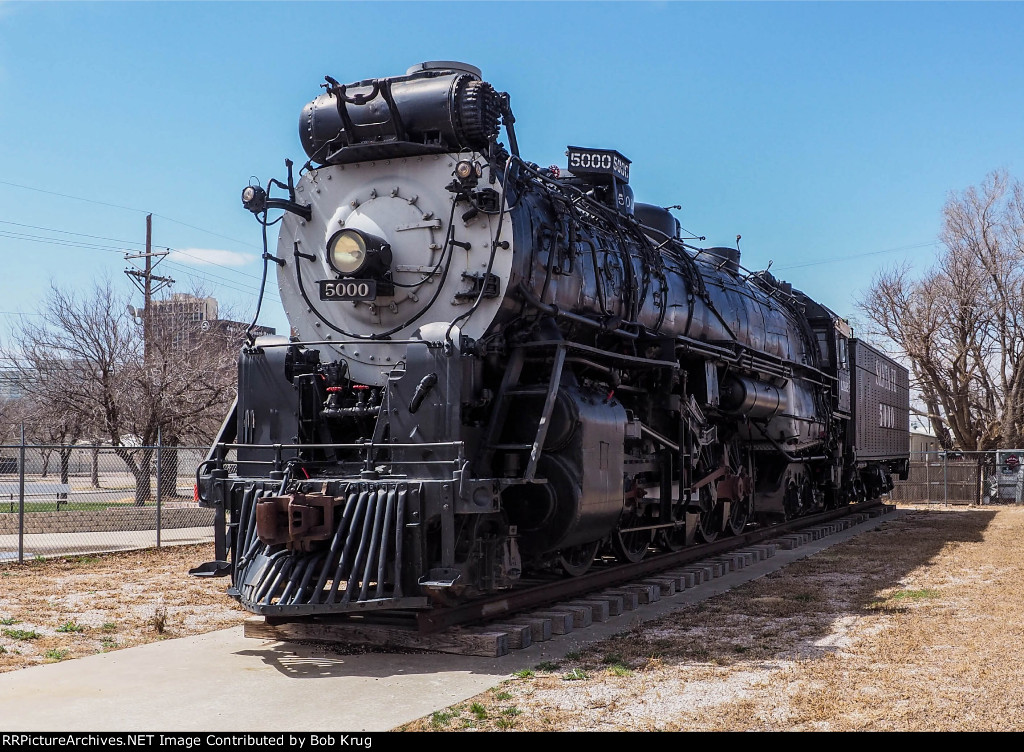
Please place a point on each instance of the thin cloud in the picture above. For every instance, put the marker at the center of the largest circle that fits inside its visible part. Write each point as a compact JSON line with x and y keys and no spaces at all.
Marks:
{"x":210,"y":257}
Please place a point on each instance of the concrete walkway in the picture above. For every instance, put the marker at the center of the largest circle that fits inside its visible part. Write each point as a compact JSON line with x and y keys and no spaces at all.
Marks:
{"x":223,"y":681}
{"x":77,"y":544}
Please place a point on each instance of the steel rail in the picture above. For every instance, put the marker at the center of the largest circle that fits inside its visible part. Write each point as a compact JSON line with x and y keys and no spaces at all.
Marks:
{"x":600,"y":578}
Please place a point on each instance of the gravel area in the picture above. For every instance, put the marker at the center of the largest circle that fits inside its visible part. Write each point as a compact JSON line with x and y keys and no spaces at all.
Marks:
{"x":916,"y":625}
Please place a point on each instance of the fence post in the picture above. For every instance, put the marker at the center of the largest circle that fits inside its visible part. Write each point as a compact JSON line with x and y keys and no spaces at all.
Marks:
{"x":927,"y":476}
{"x":977,"y":479}
{"x":159,"y":482}
{"x":21,"y":498}
{"x":945,"y":478}
{"x":1019,"y":488}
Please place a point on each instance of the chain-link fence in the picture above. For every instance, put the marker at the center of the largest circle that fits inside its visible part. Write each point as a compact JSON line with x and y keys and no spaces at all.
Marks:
{"x":59,"y":500}
{"x":995,"y":477}
{"x":66,"y":500}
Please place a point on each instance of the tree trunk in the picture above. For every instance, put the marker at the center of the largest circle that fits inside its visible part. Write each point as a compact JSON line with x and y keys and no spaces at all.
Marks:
{"x":95,"y":467}
{"x":65,"y":461}
{"x":169,"y":471}
{"x":141,"y":471}
{"x":139,"y":465}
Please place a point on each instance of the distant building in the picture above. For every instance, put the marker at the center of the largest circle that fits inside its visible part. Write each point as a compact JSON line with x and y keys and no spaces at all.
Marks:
{"x":184,"y":319}
{"x":10,"y":383}
{"x":923,"y":442}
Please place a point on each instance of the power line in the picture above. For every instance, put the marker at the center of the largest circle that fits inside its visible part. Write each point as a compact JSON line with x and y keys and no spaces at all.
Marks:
{"x":126,"y":208}
{"x":69,"y":232}
{"x":207,"y":276}
{"x":857,"y":255}
{"x":96,"y":246}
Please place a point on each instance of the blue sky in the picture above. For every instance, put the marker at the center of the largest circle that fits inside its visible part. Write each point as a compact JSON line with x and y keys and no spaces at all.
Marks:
{"x":828,"y":135}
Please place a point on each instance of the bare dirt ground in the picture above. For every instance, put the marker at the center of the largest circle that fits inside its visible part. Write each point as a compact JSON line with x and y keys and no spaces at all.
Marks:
{"x":63,"y":608}
{"x":917,"y":625}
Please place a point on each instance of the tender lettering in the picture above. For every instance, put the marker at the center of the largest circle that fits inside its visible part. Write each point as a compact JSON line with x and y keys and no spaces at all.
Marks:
{"x":885,"y":375}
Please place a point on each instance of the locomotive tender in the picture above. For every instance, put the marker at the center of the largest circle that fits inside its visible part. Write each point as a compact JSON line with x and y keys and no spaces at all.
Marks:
{"x":497,"y":369}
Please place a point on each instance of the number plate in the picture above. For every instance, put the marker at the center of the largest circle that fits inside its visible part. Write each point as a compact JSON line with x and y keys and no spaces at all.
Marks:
{"x":598,"y":161}
{"x":348,"y":289}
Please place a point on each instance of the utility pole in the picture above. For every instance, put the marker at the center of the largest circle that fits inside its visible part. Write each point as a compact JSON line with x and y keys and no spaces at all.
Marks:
{"x":144,"y":279}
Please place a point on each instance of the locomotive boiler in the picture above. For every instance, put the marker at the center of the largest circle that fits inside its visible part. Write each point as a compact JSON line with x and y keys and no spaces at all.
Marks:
{"x":497,"y":369}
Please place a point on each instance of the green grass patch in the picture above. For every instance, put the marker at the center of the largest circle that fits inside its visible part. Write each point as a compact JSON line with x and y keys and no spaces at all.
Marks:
{"x":897,"y":602}
{"x":548,"y":666}
{"x":619,"y":669}
{"x":441,"y":718}
{"x":21,"y":634}
{"x":523,"y":674}
{"x":478,"y":710}
{"x":8,"y":621}
{"x":70,"y":626}
{"x":55,"y":654}
{"x":108,"y":626}
{"x":75,"y":506}
{"x":502,"y":695}
{"x":914,"y":595}
{"x":577,"y":674}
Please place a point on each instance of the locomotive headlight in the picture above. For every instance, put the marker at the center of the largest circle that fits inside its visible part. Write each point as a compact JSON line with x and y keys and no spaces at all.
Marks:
{"x":468,"y":172}
{"x":351,"y":253}
{"x":254,"y":198}
{"x":346,"y":252}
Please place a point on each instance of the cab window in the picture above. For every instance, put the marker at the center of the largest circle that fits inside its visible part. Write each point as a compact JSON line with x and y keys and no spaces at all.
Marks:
{"x":841,"y":354}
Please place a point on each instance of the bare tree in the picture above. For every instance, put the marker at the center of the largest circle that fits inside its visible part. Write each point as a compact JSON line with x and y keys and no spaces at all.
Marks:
{"x":961,"y":324}
{"x":86,"y":359}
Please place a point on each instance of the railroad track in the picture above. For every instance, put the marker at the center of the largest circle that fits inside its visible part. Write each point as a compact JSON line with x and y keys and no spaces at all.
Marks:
{"x":515,"y":620}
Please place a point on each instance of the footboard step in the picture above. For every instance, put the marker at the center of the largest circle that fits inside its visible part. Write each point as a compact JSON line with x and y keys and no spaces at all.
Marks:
{"x":459,"y":641}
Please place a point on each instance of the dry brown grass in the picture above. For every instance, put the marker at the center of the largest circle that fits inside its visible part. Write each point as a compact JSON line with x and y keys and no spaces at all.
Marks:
{"x":916,"y":625}
{"x":64,"y":608}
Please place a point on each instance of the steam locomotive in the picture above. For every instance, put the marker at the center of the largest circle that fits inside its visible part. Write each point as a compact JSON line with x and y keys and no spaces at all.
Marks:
{"x":497,"y":369}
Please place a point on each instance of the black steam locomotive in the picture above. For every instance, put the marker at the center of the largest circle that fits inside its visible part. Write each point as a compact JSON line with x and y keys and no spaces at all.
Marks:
{"x":497,"y":369}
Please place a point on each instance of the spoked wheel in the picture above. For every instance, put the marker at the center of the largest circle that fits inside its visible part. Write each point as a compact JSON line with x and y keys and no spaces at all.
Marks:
{"x":630,"y":546}
{"x":739,"y":515}
{"x":791,"y":500}
{"x":577,"y":560}
{"x":709,"y":520}
{"x":672,"y":539}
